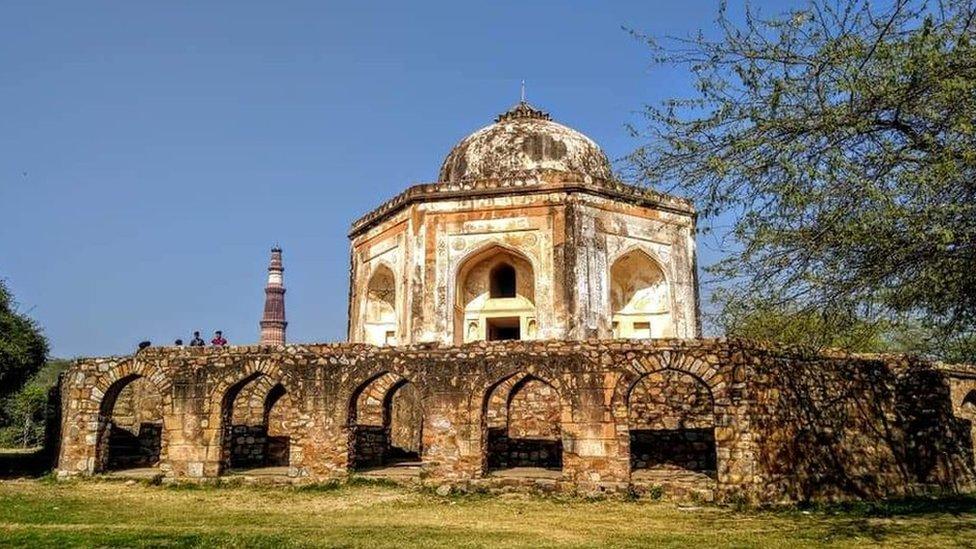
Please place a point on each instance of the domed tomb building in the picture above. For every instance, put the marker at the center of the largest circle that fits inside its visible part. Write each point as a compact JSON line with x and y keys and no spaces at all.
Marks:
{"x":525,"y":235}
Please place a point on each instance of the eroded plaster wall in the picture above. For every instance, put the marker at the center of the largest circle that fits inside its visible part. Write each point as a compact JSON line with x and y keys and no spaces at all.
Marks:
{"x":570,"y":240}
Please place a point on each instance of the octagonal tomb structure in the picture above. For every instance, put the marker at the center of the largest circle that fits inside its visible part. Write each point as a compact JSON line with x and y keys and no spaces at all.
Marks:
{"x":526,"y":235}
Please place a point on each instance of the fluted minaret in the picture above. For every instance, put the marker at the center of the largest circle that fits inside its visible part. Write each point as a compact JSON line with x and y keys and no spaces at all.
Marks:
{"x":273,"y":323}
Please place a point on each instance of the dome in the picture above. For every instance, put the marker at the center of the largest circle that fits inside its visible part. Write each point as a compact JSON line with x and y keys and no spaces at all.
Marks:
{"x":524,"y":139}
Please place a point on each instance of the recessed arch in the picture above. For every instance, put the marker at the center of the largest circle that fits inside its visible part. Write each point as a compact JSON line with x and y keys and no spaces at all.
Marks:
{"x":380,"y":308}
{"x":257,"y":417}
{"x":522,"y":421}
{"x":968,"y":403}
{"x":130,"y":431}
{"x":494,"y":295}
{"x":671,"y":423}
{"x":385,"y":423}
{"x":502,"y":280}
{"x":640,"y":297}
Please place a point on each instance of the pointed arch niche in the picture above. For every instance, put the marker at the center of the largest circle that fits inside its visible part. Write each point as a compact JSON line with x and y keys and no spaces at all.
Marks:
{"x":640,"y":298}
{"x":380,"y":326}
{"x":495,"y":297}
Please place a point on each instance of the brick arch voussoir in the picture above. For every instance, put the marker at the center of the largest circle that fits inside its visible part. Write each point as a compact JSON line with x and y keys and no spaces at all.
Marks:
{"x":496,"y":375}
{"x":707,"y":374}
{"x":237,"y":373}
{"x":130,"y":368}
{"x":388,"y":375}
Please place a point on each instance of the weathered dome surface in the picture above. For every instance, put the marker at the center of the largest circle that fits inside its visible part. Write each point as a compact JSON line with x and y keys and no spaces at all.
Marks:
{"x":521,"y":140}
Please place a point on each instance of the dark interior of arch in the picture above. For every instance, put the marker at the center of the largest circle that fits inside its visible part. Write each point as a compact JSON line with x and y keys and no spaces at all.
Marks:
{"x":255,"y":419}
{"x":387,"y":424}
{"x":132,"y":431}
{"x":522,"y":425}
{"x":672,"y":423}
{"x":502,"y":281}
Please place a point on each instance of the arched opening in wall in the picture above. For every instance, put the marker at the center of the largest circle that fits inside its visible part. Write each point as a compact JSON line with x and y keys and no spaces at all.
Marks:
{"x":380,"y":319}
{"x":671,"y":418}
{"x":386,"y":423}
{"x":640,"y":298}
{"x":130,"y":427}
{"x":503,"y":281}
{"x":257,"y":418}
{"x":522,"y":430}
{"x":495,"y":297}
{"x":968,"y":405}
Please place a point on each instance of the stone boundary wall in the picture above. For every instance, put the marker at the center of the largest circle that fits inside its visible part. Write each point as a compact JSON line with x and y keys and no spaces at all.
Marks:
{"x":788,"y":424}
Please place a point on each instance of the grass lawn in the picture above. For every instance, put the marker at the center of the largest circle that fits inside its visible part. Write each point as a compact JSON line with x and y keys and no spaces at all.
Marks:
{"x":99,"y":513}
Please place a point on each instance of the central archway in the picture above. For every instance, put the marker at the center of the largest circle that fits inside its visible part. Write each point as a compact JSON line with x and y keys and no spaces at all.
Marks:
{"x":522,"y":427}
{"x":257,"y":418}
{"x":386,"y":421}
{"x":671,"y":422}
{"x":495,"y":297}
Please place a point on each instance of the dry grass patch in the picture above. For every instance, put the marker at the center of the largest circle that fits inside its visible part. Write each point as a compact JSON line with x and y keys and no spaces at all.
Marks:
{"x":89,"y":513}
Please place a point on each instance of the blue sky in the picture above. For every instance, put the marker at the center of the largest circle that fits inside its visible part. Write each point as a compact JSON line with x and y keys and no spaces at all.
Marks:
{"x":152,"y":153}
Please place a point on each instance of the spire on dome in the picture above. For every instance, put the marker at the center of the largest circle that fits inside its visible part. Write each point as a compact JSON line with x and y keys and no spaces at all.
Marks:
{"x":273,"y":322}
{"x":523,"y":110}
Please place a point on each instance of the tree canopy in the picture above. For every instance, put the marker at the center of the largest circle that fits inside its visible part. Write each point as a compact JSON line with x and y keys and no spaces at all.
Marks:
{"x":841,"y":138}
{"x":23,"y":348}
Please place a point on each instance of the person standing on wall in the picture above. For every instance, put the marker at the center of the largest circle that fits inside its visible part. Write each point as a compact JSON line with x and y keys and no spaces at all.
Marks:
{"x":197,"y":341}
{"x":218,"y":340}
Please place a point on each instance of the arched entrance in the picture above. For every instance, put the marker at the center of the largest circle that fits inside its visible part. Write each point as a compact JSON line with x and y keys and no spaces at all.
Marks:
{"x":386,"y":421}
{"x":257,"y":417}
{"x":495,"y":297}
{"x":640,"y":298}
{"x":130,"y":426}
{"x":671,"y":421}
{"x":380,"y":324}
{"x":521,"y":426}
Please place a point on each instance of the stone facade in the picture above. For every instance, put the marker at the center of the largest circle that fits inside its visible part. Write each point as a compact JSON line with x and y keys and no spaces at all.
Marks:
{"x":744,"y":420}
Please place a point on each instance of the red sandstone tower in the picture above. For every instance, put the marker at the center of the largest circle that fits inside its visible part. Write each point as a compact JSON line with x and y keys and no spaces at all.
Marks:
{"x":273,"y":323}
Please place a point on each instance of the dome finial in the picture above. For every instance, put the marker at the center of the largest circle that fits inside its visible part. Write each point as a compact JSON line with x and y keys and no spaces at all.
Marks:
{"x":522,"y":99}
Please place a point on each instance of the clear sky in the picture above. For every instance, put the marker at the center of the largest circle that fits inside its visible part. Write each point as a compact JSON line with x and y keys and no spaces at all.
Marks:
{"x":152,"y":153}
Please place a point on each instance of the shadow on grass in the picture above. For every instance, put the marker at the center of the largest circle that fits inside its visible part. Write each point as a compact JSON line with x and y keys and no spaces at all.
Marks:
{"x":31,"y":463}
{"x":960,"y":504}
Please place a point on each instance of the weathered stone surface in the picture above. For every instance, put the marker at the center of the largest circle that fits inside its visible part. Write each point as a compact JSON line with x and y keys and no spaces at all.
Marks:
{"x":715,"y":417}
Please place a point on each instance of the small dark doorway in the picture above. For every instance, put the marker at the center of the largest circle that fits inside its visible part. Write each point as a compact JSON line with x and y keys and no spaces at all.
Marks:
{"x":502,"y":281}
{"x":504,"y":328}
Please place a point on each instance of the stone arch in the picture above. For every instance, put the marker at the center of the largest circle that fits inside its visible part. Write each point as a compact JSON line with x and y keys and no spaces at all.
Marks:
{"x":969,"y":400}
{"x":247,"y":445}
{"x":640,"y":295}
{"x":380,"y":313}
{"x":481,"y":314}
{"x":523,"y":422}
{"x":385,"y":422}
{"x":671,"y":423}
{"x":675,"y":378}
{"x":132,"y":437}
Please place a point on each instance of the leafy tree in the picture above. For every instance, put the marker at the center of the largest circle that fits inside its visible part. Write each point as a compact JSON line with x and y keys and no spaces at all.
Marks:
{"x":26,"y":413}
{"x":23,"y":348}
{"x":842,"y":140}
{"x":762,"y":320}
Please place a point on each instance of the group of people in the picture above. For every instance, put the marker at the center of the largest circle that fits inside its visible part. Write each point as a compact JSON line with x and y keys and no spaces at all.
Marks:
{"x":197,"y":341}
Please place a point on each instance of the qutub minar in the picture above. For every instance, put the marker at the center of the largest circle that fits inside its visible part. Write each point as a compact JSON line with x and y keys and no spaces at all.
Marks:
{"x":526,"y":321}
{"x":273,"y":322}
